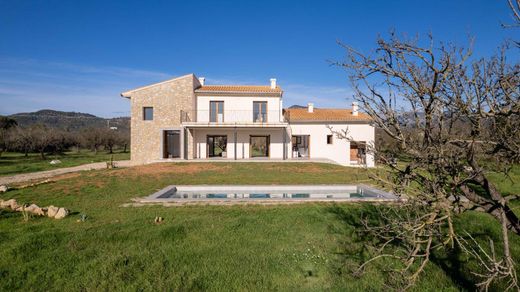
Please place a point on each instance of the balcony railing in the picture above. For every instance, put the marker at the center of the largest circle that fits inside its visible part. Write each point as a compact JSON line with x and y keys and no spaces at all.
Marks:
{"x":231,"y":116}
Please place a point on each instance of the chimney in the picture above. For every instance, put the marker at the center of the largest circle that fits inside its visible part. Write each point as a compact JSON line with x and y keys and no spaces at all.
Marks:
{"x":273,"y":83}
{"x":355,"y":108}
{"x":202,"y":80}
{"x":310,"y":107}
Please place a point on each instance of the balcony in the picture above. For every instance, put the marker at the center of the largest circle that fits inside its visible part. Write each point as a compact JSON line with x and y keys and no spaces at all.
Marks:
{"x":232,"y":118}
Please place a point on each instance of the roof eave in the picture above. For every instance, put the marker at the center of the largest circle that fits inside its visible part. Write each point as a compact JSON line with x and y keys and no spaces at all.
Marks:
{"x":238,"y":93}
{"x":330,"y":121}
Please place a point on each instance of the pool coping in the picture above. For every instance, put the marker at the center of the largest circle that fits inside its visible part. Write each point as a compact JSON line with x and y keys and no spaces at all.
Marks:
{"x":155,"y":198}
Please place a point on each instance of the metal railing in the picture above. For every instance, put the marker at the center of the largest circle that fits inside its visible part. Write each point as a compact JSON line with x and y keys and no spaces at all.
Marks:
{"x":231,"y":116}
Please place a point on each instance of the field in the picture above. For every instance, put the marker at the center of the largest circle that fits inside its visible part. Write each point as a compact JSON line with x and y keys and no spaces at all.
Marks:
{"x":12,"y":163}
{"x":302,"y":247}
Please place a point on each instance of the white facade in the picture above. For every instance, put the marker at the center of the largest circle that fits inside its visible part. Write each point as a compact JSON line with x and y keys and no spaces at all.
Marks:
{"x":339,"y":149}
{"x":276,"y":142}
{"x":192,"y":120}
{"x":237,"y":126}
{"x":239,"y":109}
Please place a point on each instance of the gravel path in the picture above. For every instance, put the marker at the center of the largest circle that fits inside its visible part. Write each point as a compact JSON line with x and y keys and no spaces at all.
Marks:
{"x":5,"y":180}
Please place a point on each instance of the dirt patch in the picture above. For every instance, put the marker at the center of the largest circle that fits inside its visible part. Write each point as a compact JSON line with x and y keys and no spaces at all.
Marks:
{"x":66,"y":176}
{"x":159,"y":169}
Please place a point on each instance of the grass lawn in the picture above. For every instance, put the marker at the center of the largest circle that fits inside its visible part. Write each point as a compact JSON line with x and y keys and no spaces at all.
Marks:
{"x":13,"y":163}
{"x":301,"y":247}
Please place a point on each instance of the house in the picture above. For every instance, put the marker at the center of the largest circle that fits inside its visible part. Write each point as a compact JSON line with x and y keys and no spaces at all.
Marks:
{"x":183,"y":118}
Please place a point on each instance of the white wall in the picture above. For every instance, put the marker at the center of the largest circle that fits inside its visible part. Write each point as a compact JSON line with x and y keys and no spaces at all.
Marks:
{"x":339,"y":150}
{"x":276,"y":141}
{"x":239,"y":108}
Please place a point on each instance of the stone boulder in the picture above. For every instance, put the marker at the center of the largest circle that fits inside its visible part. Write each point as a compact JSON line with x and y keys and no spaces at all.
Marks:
{"x":52,"y":211}
{"x":62,"y":213}
{"x":12,"y":204}
{"x":34,"y":209}
{"x":3,"y":188}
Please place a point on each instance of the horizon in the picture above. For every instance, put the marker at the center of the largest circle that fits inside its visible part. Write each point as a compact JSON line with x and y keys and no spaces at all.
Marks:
{"x":78,"y":57}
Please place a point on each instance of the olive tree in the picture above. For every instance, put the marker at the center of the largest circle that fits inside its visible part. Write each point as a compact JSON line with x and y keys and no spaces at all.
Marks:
{"x":6,"y":127}
{"x":452,"y":120}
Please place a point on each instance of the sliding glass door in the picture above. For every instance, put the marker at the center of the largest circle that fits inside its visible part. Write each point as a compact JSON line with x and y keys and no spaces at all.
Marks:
{"x":217,"y":146}
{"x":259,"y":146}
{"x":171,"y":144}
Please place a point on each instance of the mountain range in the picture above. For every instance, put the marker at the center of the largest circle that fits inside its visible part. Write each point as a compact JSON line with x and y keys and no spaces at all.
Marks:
{"x":70,"y":121}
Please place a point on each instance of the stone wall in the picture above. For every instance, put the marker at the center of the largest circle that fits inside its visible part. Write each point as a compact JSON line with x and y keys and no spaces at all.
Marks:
{"x":167,"y":99}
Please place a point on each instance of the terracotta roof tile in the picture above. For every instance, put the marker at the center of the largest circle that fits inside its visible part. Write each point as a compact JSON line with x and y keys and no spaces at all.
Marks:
{"x":239,"y":88}
{"x":324,"y":115}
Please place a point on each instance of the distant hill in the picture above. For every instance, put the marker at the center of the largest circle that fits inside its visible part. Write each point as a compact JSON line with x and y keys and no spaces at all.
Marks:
{"x":69,"y":120}
{"x":297,"y":106}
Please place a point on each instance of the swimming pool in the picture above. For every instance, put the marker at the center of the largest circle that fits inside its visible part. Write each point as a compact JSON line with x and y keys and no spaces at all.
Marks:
{"x":264,"y":193}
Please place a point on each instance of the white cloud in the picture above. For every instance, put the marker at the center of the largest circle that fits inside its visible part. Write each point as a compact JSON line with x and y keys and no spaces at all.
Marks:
{"x":29,"y":84}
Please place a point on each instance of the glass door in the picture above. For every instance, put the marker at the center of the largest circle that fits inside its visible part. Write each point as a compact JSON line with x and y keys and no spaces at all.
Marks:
{"x":259,"y":146}
{"x":260,"y":111}
{"x":300,"y":146}
{"x":217,"y":146}
{"x":172,"y":144}
{"x":216,"y":111}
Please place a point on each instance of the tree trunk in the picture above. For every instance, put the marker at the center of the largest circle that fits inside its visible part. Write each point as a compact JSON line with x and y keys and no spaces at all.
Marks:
{"x":42,"y":154}
{"x":124,"y":149}
{"x":494,"y":208}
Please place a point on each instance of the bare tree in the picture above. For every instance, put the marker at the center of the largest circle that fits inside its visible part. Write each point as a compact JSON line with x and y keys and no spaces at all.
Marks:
{"x":110,"y":139}
{"x":44,"y":139}
{"x":452,"y":121}
{"x":94,"y":138}
{"x":514,"y":6}
{"x":6,"y":126}
{"x":22,"y":140}
{"x":123,"y":140}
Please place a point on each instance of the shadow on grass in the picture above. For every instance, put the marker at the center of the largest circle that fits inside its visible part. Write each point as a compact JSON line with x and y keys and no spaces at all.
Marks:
{"x":356,"y":244}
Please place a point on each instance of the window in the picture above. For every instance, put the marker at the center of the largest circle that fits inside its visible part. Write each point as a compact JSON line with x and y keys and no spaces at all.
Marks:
{"x":329,"y":139}
{"x":260,"y":111}
{"x":216,"y":111}
{"x":147,"y":113}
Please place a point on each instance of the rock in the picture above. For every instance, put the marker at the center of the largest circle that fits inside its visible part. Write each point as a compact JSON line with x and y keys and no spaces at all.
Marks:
{"x":62,"y":213}
{"x":51,"y":211}
{"x":158,"y":220}
{"x":12,"y":204}
{"x":4,"y":204}
{"x":3,"y":188}
{"x":55,"y":161}
{"x":34,"y":209}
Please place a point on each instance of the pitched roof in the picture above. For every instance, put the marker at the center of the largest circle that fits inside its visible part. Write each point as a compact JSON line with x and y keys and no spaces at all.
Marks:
{"x":324,"y":115}
{"x":239,"y":89}
{"x":129,"y":92}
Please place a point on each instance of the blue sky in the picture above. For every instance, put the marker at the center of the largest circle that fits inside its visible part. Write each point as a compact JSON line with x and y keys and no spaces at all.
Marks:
{"x":79,"y":55}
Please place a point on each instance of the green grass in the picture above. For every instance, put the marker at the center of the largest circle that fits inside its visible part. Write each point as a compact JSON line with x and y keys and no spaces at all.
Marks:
{"x":14,"y":163}
{"x":303,"y":247}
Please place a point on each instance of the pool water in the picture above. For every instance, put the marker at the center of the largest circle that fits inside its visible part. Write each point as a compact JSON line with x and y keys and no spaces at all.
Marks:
{"x":191,"y":195}
{"x":267,"y":193}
